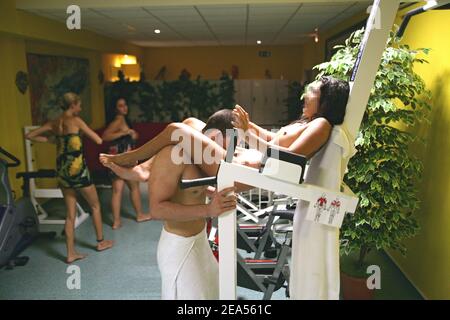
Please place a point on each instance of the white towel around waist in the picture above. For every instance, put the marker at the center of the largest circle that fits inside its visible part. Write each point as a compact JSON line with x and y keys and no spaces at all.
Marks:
{"x":188,"y":268}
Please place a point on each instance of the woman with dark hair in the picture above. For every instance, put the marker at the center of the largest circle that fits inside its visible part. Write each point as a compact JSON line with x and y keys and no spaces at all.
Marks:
{"x":122,"y":139}
{"x":325,"y":101}
{"x":317,"y":136}
{"x":324,"y":107}
{"x":73,"y":173}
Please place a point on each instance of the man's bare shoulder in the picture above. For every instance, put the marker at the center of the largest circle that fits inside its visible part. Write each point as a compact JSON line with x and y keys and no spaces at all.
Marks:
{"x":170,"y":156}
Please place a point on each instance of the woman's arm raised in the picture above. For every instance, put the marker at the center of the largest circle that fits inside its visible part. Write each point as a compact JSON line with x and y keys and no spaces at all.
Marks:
{"x":242,"y":121}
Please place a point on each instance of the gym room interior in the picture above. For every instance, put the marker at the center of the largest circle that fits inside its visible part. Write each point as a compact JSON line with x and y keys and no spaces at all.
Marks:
{"x":172,"y":61}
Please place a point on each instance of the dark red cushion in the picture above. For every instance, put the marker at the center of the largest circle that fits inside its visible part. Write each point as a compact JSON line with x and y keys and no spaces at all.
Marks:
{"x":146,"y":131}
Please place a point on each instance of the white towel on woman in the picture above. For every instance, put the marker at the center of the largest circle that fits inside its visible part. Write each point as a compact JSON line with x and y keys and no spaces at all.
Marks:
{"x":188,"y":268}
{"x":315,"y":246}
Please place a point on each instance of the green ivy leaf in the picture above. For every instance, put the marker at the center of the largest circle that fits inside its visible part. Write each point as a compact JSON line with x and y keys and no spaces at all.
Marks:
{"x":383,"y":173}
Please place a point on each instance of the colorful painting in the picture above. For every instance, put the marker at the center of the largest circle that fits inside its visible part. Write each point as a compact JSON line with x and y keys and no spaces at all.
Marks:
{"x":52,"y":76}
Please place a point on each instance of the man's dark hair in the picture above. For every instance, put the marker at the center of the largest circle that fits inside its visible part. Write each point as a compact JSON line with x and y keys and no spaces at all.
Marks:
{"x":333,"y":99}
{"x":220,"y":120}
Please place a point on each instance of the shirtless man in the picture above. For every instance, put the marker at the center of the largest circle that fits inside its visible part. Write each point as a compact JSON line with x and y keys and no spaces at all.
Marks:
{"x":187,"y":265}
{"x":185,"y":260}
{"x":141,"y":172}
{"x":325,"y":106}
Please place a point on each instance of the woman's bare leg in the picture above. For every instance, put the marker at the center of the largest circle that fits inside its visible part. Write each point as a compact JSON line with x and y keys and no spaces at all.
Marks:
{"x":90,"y":194}
{"x":135,"y":197}
{"x":138,"y":173}
{"x":116,"y":202}
{"x":198,"y":144}
{"x":70,"y":198}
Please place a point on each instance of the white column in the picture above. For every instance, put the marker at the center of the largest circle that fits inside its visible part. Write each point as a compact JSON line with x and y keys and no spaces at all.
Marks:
{"x":227,"y":241}
{"x":379,"y":25}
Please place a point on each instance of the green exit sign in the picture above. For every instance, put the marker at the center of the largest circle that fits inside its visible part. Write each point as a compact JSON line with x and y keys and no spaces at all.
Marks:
{"x":264,"y":54}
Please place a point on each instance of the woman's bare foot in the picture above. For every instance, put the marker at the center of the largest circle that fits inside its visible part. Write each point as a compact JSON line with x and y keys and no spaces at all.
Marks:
{"x":122,"y":159}
{"x":104,"y":245}
{"x":75,"y":256}
{"x":117,"y":225}
{"x":143,"y":217}
{"x":105,"y":159}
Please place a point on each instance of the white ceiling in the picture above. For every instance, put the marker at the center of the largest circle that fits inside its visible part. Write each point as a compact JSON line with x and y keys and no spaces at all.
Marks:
{"x":203,"y":25}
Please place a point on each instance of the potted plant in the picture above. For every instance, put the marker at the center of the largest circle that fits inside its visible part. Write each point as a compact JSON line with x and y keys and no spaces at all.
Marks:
{"x":384,"y":173}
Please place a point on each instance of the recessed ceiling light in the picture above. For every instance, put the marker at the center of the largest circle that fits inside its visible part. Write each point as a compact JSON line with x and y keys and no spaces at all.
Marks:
{"x":258,"y":42}
{"x":157,"y":31}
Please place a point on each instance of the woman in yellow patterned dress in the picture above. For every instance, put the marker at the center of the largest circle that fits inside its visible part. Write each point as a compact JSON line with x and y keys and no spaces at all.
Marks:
{"x":73,"y":173}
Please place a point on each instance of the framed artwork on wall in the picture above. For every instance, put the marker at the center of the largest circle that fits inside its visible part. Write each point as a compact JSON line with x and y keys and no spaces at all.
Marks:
{"x":50,"y":77}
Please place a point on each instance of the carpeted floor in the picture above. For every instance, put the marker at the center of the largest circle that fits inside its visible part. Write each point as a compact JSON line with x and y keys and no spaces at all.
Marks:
{"x":129,"y":270}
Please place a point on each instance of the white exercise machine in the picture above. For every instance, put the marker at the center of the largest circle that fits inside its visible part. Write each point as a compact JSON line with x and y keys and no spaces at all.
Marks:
{"x":379,"y":24}
{"x":46,"y":193}
{"x":281,"y":172}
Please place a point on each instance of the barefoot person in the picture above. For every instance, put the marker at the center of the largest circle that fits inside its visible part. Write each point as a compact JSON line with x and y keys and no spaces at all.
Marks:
{"x":141,"y":172}
{"x":187,"y":265}
{"x":325,"y":104}
{"x":122,"y":139}
{"x":189,"y":270}
{"x":73,"y":174}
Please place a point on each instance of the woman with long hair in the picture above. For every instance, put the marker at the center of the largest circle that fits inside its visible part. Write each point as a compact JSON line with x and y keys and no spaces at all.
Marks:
{"x":122,"y":138}
{"x":315,"y":246}
{"x":315,"y":272}
{"x":73,"y":173}
{"x":324,"y":107}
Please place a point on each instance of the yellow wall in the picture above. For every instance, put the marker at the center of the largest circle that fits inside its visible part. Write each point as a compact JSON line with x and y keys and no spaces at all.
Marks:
{"x":21,"y":32}
{"x":427,"y":263}
{"x":209,"y":62}
{"x":15,"y":108}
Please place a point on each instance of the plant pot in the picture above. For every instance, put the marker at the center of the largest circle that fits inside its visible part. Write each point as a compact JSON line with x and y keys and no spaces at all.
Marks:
{"x":355,"y":288}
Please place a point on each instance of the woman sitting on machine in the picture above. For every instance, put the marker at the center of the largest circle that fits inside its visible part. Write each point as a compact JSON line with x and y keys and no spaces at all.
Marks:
{"x":317,"y":277}
{"x":73,"y":173}
{"x":325,"y":103}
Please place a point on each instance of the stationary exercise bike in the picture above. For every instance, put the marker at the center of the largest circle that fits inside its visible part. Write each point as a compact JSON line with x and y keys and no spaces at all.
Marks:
{"x":19,"y":224}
